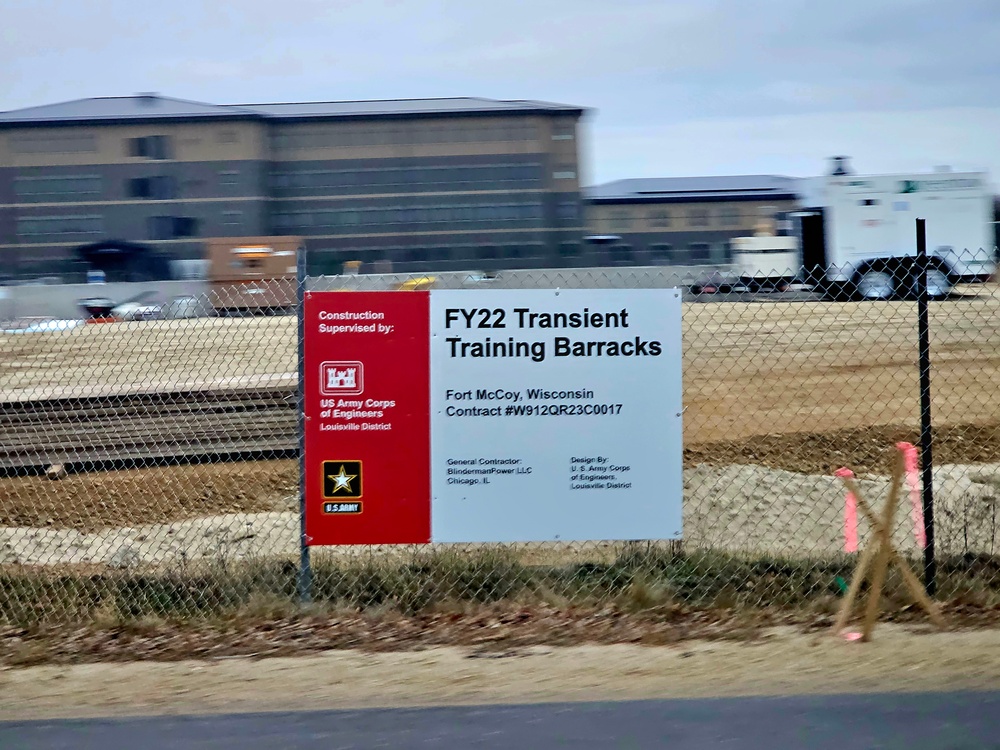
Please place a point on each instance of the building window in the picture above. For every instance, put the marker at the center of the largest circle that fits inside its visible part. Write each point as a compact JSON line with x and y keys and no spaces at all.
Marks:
{"x":660,"y":217}
{"x":569,"y":249}
{"x":564,"y":174}
{"x":568,"y":210}
{"x":563,"y":131}
{"x":412,"y":255}
{"x":150,"y":147}
{"x":698,"y":217}
{"x":37,"y":226}
{"x":662,"y":252}
{"x":153,"y":188}
{"x":56,"y":187}
{"x":232,"y":218}
{"x":623,"y":253}
{"x":729,"y":216}
{"x":229,"y":177}
{"x":228,"y":136}
{"x":699,"y":252}
{"x":528,"y":250}
{"x":620,"y":221}
{"x":172,"y":227}
{"x":67,"y":143}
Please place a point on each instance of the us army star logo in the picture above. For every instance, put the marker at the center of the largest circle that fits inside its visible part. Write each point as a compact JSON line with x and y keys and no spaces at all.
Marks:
{"x":341,"y":479}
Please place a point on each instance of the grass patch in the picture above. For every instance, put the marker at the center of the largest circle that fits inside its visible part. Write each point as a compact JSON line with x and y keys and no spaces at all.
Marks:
{"x":641,"y":578}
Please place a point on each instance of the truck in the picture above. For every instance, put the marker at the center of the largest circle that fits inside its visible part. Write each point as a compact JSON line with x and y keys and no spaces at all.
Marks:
{"x":858,"y":236}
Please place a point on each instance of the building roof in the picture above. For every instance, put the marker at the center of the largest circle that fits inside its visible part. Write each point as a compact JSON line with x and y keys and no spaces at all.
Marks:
{"x":675,"y":189}
{"x":378,"y":108}
{"x":145,"y":107}
{"x":138,"y":107}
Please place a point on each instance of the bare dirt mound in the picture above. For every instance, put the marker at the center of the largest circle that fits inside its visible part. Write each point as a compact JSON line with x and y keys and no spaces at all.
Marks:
{"x":166,"y":494}
{"x":864,"y":449}
{"x":158,"y":495}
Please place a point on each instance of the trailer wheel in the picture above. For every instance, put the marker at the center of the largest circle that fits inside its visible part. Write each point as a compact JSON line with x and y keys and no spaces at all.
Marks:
{"x":940,"y":281}
{"x":875,"y":284}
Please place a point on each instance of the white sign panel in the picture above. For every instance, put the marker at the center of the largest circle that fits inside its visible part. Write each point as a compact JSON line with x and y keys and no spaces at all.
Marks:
{"x":555,"y":415}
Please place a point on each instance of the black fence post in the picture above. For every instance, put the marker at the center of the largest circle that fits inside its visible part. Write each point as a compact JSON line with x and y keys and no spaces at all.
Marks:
{"x":305,"y":566}
{"x":926,"y":435}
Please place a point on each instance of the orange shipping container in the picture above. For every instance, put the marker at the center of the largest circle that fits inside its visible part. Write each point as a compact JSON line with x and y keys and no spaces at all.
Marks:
{"x":253,"y":274}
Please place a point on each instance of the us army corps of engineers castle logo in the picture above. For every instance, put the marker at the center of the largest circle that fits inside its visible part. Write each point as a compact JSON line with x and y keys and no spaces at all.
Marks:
{"x":341,"y":378}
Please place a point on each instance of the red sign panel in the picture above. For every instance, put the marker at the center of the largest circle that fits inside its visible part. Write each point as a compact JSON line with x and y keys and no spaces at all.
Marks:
{"x":367,"y":391}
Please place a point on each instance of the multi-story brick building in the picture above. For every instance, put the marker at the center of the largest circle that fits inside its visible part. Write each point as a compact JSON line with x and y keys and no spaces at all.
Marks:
{"x":424,"y":185}
{"x":682,"y":220}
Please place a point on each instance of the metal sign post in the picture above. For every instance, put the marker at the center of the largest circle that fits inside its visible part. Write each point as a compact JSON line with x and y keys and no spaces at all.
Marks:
{"x":926,"y":435}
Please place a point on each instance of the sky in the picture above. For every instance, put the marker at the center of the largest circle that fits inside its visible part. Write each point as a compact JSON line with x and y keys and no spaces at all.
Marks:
{"x":672,"y":87}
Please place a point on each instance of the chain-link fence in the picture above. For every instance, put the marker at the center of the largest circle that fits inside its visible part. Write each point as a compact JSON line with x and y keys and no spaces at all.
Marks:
{"x":149,"y":455}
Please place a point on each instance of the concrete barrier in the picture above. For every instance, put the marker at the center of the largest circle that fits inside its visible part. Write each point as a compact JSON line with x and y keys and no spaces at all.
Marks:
{"x":61,"y":301}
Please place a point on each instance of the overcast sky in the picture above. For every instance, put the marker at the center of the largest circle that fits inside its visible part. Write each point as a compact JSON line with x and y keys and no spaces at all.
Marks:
{"x":677,"y":87}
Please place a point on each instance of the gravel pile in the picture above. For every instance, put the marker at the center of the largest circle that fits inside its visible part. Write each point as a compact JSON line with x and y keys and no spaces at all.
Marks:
{"x":741,"y":508}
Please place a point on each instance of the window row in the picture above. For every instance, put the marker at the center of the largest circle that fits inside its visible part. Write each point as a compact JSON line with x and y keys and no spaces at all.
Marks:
{"x":403,"y":177}
{"x":695,"y":216}
{"x":36,"y":226}
{"x":55,"y":187}
{"x":329,"y":262}
{"x":694,"y":252}
{"x":158,"y":227}
{"x":353,"y":217}
{"x":64,"y":143}
{"x":416,"y":133}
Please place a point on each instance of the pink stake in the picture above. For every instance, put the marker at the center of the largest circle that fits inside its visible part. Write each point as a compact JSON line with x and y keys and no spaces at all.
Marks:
{"x":850,"y":515}
{"x":913,"y":479}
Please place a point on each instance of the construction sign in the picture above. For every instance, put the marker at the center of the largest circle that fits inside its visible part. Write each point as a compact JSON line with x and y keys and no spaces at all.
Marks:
{"x":492,"y":416}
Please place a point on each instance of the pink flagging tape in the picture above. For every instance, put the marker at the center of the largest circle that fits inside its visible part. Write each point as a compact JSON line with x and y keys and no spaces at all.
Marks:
{"x":913,"y":480}
{"x":850,"y":515}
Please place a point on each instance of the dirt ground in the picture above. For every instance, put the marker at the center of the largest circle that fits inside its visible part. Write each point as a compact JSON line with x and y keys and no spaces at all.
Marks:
{"x":90,"y":502}
{"x":781,"y":661}
{"x":799,"y":387}
{"x":161,"y":495}
{"x":111,"y":358}
{"x":817,"y":368}
{"x":749,"y":369}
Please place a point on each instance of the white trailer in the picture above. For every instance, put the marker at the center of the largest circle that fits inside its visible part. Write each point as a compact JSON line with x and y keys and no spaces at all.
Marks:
{"x":765,"y":261}
{"x":866,"y":242}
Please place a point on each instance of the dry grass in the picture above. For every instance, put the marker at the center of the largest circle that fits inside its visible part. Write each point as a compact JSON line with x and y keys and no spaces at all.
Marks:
{"x":489,"y":599}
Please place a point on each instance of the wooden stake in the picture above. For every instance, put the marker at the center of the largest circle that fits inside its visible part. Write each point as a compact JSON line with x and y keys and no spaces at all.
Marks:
{"x":860,"y":571}
{"x":882,"y":550}
{"x":884,"y":539}
{"x":913,"y":583}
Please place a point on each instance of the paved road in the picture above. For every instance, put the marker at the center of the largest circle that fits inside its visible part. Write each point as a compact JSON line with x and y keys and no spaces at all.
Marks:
{"x":952,"y":721}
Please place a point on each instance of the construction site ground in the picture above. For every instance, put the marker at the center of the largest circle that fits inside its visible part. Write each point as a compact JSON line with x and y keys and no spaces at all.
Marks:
{"x":780,"y":661}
